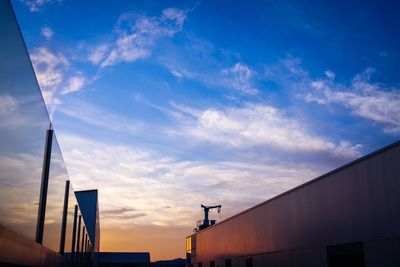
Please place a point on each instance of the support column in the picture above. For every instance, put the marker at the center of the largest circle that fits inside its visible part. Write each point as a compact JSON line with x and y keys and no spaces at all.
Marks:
{"x":78,"y":238}
{"x":74,"y":232}
{"x":64,"y":218}
{"x":44,"y":186}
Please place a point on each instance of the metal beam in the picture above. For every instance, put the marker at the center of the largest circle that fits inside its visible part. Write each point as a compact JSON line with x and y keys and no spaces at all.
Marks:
{"x":74,"y":231}
{"x":79,"y":234}
{"x":82,"y":244}
{"x":64,"y":218}
{"x":44,"y":186}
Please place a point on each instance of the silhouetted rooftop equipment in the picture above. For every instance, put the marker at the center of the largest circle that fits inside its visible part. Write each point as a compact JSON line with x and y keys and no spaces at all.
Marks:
{"x":206,"y":222}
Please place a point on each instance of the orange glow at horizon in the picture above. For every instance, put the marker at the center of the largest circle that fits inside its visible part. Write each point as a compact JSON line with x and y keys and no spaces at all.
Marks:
{"x":163,"y":242}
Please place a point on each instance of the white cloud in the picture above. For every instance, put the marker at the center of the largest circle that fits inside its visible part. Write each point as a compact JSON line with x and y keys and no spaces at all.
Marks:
{"x":74,"y":84}
{"x":50,"y":70}
{"x":37,"y":5}
{"x":7,"y":104}
{"x":137,"y":34}
{"x":240,"y":77}
{"x":157,"y":180}
{"x":10,"y":116}
{"x":256,"y":125}
{"x":53,"y":72}
{"x":47,"y":32}
{"x":98,"y":54}
{"x":375,"y":102}
{"x":174,"y":16}
{"x":330,"y":75}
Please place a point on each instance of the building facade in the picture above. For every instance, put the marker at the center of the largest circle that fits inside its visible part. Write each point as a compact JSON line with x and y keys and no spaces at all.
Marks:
{"x":347,"y":217}
{"x":41,"y":221}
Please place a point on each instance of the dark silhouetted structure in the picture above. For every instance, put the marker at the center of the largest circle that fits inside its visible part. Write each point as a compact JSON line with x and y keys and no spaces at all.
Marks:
{"x":123,"y":259}
{"x":207,"y":222}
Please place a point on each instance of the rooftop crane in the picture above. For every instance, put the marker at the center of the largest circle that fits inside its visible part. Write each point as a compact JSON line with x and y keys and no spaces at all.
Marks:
{"x":206,"y":222}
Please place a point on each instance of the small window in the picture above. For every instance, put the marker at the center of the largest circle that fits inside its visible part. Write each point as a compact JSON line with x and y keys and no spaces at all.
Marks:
{"x":346,"y":255}
{"x":189,"y":244}
{"x":212,"y":263}
{"x":249,"y":262}
{"x":228,"y":263}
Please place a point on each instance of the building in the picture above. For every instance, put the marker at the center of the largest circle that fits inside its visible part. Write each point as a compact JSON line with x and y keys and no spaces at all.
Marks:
{"x":123,"y":259}
{"x":347,"y":217}
{"x":42,"y":221}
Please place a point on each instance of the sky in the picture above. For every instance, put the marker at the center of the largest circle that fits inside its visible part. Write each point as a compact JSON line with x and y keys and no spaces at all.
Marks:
{"x":166,"y":105}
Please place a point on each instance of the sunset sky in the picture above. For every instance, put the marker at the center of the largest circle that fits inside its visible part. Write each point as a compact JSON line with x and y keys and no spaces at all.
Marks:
{"x":166,"y":105}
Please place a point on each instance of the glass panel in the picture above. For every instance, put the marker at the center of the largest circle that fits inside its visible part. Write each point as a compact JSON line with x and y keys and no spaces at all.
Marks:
{"x":55,"y":199}
{"x":70,"y":219}
{"x":23,"y":124}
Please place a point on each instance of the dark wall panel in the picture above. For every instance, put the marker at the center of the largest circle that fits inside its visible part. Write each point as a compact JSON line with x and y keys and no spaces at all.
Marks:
{"x":358,"y":202}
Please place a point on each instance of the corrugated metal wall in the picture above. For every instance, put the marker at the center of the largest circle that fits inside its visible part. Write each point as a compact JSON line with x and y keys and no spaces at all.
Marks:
{"x":357,"y":203}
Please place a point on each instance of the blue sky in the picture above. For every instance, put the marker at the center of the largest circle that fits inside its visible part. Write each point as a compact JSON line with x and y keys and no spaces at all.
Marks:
{"x":164,"y":105}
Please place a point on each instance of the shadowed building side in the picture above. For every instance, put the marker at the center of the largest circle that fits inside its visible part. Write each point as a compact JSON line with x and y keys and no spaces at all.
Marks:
{"x":348,"y":217}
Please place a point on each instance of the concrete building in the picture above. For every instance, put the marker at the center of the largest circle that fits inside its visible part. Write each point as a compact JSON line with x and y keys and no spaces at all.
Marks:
{"x":347,"y":217}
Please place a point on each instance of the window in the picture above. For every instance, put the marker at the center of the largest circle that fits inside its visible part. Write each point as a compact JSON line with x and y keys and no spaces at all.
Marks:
{"x":228,"y":263}
{"x":346,"y":255}
{"x":249,"y":262}
{"x":189,"y":244}
{"x":199,"y":264}
{"x":212,"y":263}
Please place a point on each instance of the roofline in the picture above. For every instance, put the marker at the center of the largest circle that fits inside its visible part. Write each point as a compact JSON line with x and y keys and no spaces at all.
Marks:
{"x":116,"y":252}
{"x":370,"y":155}
{"x":89,"y":190}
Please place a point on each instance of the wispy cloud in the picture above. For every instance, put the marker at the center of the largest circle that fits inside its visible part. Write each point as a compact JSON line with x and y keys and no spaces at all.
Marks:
{"x":117,"y":211}
{"x":50,"y":69}
{"x":95,"y":116}
{"x":54,"y":74}
{"x":263,"y":126}
{"x":239,"y":77}
{"x":46,"y":32}
{"x":136,"y":35}
{"x":98,"y":54}
{"x":155,"y":180}
{"x":122,"y":213}
{"x":11,"y":113}
{"x":372,"y":101}
{"x":37,"y":5}
{"x":74,"y":84}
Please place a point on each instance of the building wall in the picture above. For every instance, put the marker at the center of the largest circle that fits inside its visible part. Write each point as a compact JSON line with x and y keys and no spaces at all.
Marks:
{"x":358,"y":202}
{"x":24,"y":121}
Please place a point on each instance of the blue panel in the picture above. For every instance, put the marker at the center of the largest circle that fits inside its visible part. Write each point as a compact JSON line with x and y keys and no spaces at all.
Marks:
{"x":87,"y":201}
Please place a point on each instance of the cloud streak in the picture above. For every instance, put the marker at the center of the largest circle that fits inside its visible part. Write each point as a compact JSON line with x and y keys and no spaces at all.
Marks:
{"x":136,"y":35}
{"x":47,"y":32}
{"x":258,"y":125}
{"x":38,"y":5}
{"x":55,"y":77}
{"x":375,"y":102}
{"x":146,"y":181}
{"x":239,"y":77}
